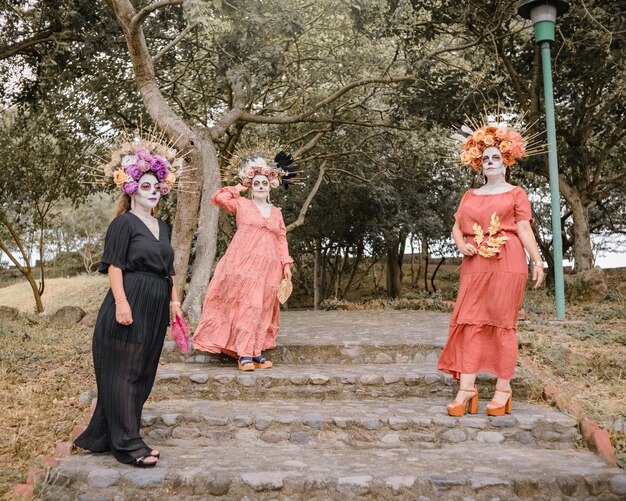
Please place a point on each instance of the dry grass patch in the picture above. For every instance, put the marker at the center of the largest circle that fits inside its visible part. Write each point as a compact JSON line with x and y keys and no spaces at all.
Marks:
{"x":585,"y":356}
{"x":43,"y":370}
{"x":85,"y":291}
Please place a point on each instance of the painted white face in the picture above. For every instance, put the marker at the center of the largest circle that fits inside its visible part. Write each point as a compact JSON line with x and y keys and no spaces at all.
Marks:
{"x":148,"y":195}
{"x":260,"y":186}
{"x":492,"y":162}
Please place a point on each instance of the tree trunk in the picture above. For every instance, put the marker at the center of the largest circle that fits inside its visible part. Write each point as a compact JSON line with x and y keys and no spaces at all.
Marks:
{"x":413,"y":270}
{"x":35,"y":288}
{"x":355,"y":267}
{"x":206,"y":242}
{"x":42,"y":268}
{"x":432,"y":279}
{"x":184,"y":226}
{"x":425,"y":258}
{"x":323,"y":262}
{"x":338,"y":272}
{"x":25,"y":270}
{"x":583,"y":252}
{"x":317,"y":278}
{"x":394,"y":276}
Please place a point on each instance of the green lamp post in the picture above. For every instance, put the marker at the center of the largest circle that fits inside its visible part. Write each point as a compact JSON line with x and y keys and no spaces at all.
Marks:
{"x":543,"y":14}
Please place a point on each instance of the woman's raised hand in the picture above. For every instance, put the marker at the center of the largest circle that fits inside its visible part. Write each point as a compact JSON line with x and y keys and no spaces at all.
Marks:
{"x":123,"y":313}
{"x":240,"y":187}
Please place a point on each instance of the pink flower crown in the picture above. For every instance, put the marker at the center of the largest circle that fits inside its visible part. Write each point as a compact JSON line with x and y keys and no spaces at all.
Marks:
{"x":279,"y":169}
{"x":247,"y":173}
{"x":133,"y":160}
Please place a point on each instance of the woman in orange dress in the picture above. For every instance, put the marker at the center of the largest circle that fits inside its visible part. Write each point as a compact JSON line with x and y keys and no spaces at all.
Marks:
{"x":492,"y":230}
{"x":240,"y":314}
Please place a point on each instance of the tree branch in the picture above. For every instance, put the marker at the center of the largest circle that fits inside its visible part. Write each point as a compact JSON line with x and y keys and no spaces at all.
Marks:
{"x":305,"y":206}
{"x":253,"y":118}
{"x":311,"y":144}
{"x":232,"y":116}
{"x":139,"y":17}
{"x":615,"y":138}
{"x":48,"y":35}
{"x":154,"y":101}
{"x":18,"y":242}
{"x":174,"y":42}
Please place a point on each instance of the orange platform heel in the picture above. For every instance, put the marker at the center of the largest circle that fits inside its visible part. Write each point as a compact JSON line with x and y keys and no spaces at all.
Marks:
{"x":498,"y":409}
{"x":470,"y":404}
{"x":245,"y":364}
{"x":261,"y":363}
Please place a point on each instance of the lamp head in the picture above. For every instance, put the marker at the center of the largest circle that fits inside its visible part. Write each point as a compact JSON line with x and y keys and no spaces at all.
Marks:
{"x":527,"y":6}
{"x":543,"y":14}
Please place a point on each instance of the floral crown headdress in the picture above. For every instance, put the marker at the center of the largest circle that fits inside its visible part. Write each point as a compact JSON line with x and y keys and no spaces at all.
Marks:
{"x":512,"y":139}
{"x":137,"y":155}
{"x":134,"y":159}
{"x":244,"y":164}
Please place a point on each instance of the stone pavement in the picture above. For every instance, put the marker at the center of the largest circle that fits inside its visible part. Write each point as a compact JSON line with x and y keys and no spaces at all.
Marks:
{"x":355,"y":408}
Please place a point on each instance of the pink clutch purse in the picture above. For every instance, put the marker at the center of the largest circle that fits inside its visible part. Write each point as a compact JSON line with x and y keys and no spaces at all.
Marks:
{"x":180,"y":333}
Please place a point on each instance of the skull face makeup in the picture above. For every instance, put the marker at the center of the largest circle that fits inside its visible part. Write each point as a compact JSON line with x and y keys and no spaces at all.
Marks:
{"x":148,"y":194}
{"x":492,"y":162}
{"x":261,"y":188}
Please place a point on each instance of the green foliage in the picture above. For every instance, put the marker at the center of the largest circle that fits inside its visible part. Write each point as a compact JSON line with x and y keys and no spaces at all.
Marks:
{"x":388,"y":170}
{"x":44,"y":161}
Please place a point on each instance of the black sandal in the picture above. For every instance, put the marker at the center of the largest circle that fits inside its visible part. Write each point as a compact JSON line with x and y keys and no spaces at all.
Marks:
{"x":142,"y":463}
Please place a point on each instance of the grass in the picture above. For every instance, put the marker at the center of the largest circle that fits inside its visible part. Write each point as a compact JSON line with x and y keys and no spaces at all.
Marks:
{"x":85,"y":291}
{"x":44,"y":368}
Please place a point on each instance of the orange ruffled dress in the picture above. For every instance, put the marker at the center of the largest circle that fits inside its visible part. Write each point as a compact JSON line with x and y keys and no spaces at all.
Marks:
{"x":240,"y":314}
{"x":483,"y":328}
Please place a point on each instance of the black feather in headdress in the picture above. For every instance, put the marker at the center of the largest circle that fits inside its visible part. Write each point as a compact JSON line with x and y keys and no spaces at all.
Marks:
{"x":286,"y":163}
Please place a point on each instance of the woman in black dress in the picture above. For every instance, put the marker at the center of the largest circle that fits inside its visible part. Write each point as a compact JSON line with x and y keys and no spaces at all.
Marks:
{"x":133,"y":318}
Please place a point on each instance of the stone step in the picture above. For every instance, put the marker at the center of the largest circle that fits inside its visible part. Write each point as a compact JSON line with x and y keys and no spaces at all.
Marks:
{"x":329,"y":337}
{"x":275,"y":471}
{"x":292,"y":353}
{"x":415,"y":422}
{"x":176,"y":380}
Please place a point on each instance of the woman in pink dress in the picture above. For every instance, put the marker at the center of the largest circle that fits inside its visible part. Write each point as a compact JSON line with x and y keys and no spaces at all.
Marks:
{"x":492,"y":230}
{"x":240,"y":314}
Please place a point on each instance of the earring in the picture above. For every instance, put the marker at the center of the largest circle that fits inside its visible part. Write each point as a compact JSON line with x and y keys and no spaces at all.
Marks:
{"x":132,"y":204}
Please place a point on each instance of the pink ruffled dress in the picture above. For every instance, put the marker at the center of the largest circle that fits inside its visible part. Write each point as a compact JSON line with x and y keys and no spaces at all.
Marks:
{"x":483,"y":328}
{"x":240,"y":314}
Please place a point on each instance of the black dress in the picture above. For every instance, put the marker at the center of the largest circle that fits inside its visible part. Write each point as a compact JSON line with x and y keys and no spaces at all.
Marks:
{"x":125,"y":357}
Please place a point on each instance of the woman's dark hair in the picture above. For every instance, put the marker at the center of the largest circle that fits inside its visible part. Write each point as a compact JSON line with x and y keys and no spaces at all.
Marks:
{"x":122,"y":205}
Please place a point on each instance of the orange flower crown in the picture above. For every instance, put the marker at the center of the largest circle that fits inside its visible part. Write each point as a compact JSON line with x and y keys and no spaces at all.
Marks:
{"x":510,"y":140}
